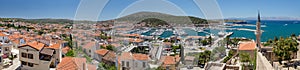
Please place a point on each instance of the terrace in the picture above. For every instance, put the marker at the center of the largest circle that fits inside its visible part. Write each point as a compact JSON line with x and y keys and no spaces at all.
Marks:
{"x":46,"y":54}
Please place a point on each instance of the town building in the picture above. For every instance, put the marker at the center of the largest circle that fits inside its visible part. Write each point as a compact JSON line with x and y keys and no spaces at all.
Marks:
{"x":37,"y":56}
{"x":129,"y":61}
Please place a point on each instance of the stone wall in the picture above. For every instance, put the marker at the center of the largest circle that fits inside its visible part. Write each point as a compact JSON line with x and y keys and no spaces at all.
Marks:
{"x":262,"y":63}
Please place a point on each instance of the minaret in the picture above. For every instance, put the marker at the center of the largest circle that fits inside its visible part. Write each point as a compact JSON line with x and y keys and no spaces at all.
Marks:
{"x":258,"y":31}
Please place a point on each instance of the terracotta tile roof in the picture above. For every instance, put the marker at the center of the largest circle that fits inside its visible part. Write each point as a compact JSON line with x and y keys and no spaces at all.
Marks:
{"x":126,"y":56}
{"x":110,"y":56}
{"x":247,"y":46}
{"x":71,"y":63}
{"x":2,"y":34}
{"x":55,"y":46}
{"x":169,"y":60}
{"x":36,"y":45}
{"x":101,"y":52}
{"x":143,"y":57}
{"x":91,"y":67}
{"x":89,"y":45}
{"x":16,"y":41}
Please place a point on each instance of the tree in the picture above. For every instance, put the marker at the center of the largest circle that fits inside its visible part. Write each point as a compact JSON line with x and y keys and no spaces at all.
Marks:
{"x":284,"y":48}
{"x":245,"y":57}
{"x":204,"y":57}
{"x":110,"y":47}
{"x":209,"y":39}
{"x":204,"y":42}
{"x":293,"y":35}
{"x":230,"y":54}
{"x":235,"y":42}
{"x":174,"y":48}
{"x":102,"y":47}
{"x":227,"y":39}
{"x":201,"y":58}
{"x":70,"y":41}
{"x":275,"y":39}
{"x":103,"y":66}
{"x":207,"y":55}
{"x":70,"y":53}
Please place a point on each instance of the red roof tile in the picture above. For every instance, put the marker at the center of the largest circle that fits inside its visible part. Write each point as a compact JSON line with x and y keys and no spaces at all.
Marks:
{"x":143,"y":57}
{"x":169,"y":60}
{"x":126,"y":56}
{"x":71,"y":63}
{"x":247,"y":46}
{"x":55,"y":46}
{"x":89,"y":45}
{"x":34,"y":44}
{"x":101,"y":52}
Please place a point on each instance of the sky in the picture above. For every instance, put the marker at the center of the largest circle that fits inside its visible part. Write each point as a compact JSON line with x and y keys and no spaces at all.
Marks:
{"x":67,"y":9}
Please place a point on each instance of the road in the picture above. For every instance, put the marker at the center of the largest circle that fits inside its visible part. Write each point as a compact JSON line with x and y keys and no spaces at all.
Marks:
{"x":16,"y":61}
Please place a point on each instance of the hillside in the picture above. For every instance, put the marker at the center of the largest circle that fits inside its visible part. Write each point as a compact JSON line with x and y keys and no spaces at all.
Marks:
{"x":136,"y":17}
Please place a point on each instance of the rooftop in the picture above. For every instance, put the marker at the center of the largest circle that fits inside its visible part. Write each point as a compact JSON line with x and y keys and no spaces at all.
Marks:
{"x":36,"y":45}
{"x":72,"y":63}
{"x":169,"y":60}
{"x":247,"y":45}
{"x":126,"y":55}
{"x":110,"y":56}
{"x":101,"y":51}
{"x":140,"y":57}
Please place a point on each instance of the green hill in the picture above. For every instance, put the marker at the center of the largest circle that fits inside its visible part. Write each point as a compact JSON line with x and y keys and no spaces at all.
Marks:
{"x":137,"y":17}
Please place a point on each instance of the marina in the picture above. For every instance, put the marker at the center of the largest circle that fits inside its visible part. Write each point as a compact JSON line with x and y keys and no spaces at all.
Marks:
{"x":283,"y":28}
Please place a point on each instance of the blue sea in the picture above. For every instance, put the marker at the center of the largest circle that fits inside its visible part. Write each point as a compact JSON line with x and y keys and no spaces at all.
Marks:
{"x":271,"y":28}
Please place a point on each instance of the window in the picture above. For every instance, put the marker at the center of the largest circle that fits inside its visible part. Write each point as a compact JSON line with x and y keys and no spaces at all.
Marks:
{"x":54,"y":52}
{"x":30,"y":64}
{"x":123,"y":63}
{"x":127,"y":64}
{"x":23,"y":63}
{"x":24,"y":55}
{"x":30,"y":56}
{"x":6,"y":49}
{"x":89,"y":51}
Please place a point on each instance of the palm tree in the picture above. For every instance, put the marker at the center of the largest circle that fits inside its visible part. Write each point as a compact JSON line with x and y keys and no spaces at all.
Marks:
{"x":227,"y":39}
{"x":207,"y":54}
{"x":209,"y":39}
{"x":235,"y":42}
{"x":293,"y":36}
{"x":201,"y":58}
{"x":284,"y":48}
{"x":275,"y":39}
